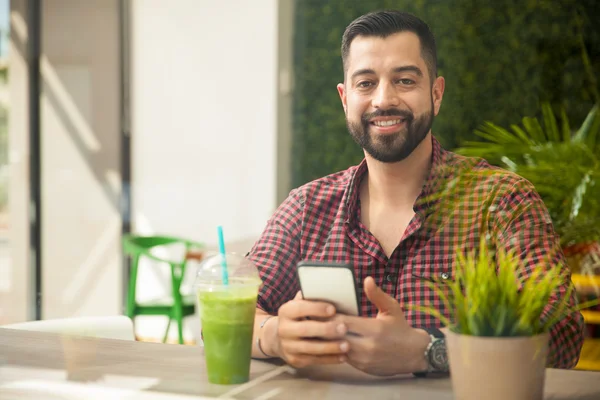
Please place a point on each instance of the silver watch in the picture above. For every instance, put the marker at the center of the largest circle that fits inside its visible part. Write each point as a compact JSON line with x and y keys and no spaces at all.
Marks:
{"x":436,"y":355}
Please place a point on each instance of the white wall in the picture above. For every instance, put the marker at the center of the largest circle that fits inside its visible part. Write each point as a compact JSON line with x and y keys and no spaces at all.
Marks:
{"x":80,"y":127}
{"x":204,"y":121}
{"x":204,"y":86}
{"x":15,"y":304}
{"x":80,"y":133}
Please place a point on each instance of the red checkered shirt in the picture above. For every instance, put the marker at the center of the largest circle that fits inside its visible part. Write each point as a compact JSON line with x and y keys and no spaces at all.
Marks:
{"x":320,"y":221}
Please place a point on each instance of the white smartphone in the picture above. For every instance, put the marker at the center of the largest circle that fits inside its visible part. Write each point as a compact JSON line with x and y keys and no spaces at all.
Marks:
{"x":329,"y":282}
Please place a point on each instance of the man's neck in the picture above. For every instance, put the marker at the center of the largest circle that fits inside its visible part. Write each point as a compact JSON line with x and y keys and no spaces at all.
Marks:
{"x":398,"y":184}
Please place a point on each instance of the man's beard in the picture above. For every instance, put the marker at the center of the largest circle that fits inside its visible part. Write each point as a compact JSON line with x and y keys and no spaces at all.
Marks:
{"x":392,"y":147}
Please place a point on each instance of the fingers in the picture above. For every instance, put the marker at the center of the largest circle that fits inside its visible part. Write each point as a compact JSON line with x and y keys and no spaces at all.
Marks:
{"x":361,"y":326}
{"x":362,"y":351}
{"x":302,"y":353}
{"x":297,"y":335}
{"x":312,"y":329}
{"x":301,"y":361}
{"x":300,"y":309}
{"x":317,"y":347}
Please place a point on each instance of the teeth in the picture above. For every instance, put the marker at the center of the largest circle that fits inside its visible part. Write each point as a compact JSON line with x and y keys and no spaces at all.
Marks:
{"x":388,"y":123}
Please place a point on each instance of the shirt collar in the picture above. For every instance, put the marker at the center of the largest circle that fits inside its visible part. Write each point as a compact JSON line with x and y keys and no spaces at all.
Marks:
{"x":438,"y":173}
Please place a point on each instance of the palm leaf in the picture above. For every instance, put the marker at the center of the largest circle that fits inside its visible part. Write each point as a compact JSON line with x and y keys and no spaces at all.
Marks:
{"x":521,"y":134}
{"x":565,"y":127}
{"x":585,"y":132}
{"x":534,"y":129}
{"x":550,"y":125}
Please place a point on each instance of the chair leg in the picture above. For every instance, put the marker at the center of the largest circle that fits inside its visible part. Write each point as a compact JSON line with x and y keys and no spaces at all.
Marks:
{"x":176,"y":278}
{"x":179,"y":318}
{"x":167,"y":331}
{"x":130,"y":310}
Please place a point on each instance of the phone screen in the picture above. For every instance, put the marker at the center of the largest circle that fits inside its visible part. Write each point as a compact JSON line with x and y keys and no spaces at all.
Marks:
{"x":332,"y":283}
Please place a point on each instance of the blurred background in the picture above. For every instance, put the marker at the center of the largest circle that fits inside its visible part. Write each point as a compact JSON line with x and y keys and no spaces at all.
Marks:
{"x":156,"y":117}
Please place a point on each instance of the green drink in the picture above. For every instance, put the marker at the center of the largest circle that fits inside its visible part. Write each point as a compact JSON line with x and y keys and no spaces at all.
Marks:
{"x":227,"y":309}
{"x":227,"y":319}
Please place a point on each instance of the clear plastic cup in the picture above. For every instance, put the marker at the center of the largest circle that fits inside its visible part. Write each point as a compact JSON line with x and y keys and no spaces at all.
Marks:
{"x":227,"y":316}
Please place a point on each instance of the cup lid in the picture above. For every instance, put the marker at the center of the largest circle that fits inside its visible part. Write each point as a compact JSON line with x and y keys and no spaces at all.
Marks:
{"x":240,"y":271}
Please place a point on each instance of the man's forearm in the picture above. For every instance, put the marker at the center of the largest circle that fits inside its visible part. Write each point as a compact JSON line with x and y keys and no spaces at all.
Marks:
{"x":264,"y":343}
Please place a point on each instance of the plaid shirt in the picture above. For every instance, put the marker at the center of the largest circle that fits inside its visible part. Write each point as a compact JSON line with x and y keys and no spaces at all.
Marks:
{"x":320,"y":221}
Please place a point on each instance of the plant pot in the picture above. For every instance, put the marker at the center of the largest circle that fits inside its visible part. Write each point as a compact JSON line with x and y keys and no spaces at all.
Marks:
{"x":497,"y":368}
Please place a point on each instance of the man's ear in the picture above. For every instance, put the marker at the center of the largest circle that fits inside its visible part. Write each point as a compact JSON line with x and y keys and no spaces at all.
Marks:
{"x":437,"y":93}
{"x":342,"y":92}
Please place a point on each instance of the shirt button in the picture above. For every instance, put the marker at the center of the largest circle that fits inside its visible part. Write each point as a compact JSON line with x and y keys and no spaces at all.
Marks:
{"x":390,"y":278}
{"x":445,"y":275}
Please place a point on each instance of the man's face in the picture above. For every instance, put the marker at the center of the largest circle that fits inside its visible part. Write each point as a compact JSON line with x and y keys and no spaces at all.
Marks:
{"x":387,"y":95}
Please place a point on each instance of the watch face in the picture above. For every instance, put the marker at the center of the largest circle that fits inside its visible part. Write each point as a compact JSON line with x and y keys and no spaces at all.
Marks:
{"x":438,"y":357}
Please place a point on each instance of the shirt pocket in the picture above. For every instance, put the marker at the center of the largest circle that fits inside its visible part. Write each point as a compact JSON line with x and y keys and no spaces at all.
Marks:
{"x":419,"y":291}
{"x":438,"y":270}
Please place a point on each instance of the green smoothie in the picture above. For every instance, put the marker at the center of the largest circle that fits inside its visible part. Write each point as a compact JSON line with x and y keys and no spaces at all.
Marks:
{"x":227,"y":318}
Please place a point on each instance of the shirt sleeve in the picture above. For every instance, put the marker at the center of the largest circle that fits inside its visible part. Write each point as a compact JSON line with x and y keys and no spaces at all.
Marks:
{"x":276,"y":254}
{"x":525,"y":224}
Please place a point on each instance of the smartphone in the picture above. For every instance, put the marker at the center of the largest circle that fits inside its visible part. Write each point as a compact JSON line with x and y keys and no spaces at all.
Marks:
{"x":329,"y":282}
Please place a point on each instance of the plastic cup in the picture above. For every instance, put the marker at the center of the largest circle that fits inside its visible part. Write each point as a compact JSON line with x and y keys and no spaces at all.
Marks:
{"x":227,"y":316}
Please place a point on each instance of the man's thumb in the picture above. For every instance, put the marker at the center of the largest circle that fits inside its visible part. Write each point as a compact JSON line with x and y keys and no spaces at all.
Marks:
{"x":384,"y":302}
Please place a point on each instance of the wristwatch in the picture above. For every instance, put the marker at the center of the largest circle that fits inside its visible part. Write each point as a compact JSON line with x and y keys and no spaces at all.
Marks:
{"x":435,"y":353}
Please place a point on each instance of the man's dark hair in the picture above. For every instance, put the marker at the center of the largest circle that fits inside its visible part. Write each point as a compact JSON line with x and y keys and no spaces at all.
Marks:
{"x":385,"y":23}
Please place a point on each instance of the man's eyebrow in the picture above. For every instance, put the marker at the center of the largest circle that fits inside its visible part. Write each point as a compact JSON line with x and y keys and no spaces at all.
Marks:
{"x":364,"y":71}
{"x":404,"y":68}
{"x":409,"y":68}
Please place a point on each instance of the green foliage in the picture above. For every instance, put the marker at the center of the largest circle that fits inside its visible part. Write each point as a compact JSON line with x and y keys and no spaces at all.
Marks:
{"x":501,"y":301}
{"x":563,"y":165}
{"x":500,"y":58}
{"x":500,"y":145}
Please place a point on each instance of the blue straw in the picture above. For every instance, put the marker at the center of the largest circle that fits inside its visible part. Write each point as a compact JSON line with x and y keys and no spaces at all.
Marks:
{"x":223,"y":259}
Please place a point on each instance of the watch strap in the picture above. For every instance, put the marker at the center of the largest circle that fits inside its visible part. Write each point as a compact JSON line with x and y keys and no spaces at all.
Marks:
{"x":435,"y":332}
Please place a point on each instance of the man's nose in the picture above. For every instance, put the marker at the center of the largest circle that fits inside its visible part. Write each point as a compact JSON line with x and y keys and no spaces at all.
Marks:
{"x":385,"y":96}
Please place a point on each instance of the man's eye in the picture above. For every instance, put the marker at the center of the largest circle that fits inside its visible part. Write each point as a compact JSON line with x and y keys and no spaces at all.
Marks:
{"x":406,"y":81}
{"x":364,"y":84}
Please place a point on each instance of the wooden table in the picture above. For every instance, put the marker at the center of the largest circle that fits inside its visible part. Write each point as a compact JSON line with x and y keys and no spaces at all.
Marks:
{"x":176,"y":369}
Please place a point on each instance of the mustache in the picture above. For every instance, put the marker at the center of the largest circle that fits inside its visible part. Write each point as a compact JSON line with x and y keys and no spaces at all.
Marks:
{"x":392,"y":112}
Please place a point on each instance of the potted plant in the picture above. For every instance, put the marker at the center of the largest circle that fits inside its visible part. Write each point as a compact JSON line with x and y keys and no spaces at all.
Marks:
{"x":498,"y":333}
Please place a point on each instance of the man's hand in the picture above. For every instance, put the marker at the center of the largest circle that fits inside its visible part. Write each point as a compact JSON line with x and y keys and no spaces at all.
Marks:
{"x":303,"y":342}
{"x":385,"y":345}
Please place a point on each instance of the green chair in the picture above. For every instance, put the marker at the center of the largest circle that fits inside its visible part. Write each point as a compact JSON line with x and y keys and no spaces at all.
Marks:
{"x":180,"y":306}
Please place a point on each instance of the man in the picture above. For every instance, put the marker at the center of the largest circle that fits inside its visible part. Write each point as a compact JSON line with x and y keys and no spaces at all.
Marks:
{"x":383,"y":218}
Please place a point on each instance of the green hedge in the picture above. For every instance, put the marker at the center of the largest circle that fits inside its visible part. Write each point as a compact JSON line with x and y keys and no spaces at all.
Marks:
{"x":500,"y":58}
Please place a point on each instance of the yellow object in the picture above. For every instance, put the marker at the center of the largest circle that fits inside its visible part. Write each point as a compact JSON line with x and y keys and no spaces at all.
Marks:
{"x":586,"y":281}
{"x":587,"y":284}
{"x":591,"y":317}
{"x":590,"y":355}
